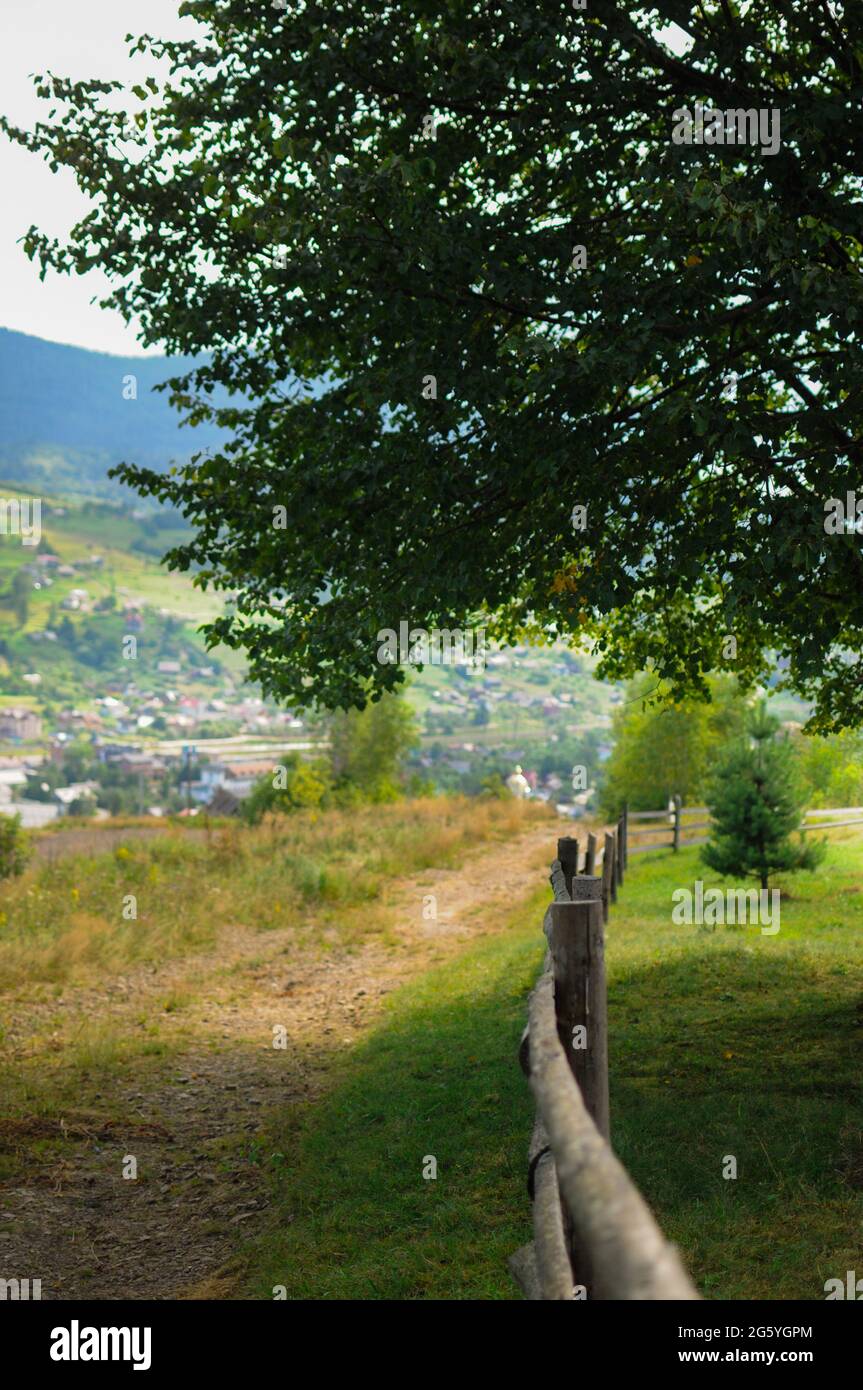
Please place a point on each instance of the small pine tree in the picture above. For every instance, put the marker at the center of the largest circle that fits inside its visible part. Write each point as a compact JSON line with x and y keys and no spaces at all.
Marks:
{"x":756,"y":800}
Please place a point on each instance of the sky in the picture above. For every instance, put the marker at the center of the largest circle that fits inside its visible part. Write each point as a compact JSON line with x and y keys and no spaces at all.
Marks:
{"x":80,"y":40}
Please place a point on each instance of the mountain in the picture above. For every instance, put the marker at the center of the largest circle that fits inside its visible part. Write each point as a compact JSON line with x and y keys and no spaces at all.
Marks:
{"x":64,"y":420}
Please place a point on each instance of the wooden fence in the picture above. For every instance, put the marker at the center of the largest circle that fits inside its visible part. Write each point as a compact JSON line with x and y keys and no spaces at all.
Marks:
{"x":594,"y":1235}
{"x":672,"y":825}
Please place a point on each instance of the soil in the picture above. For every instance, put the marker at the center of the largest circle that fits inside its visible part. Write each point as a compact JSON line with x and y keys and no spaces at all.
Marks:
{"x":87,"y":1231}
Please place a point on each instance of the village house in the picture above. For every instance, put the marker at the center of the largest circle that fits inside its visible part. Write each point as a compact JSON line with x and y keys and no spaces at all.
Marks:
{"x":12,"y":774}
{"x":65,"y":797}
{"x":139,"y":764}
{"x":113,"y":752}
{"x":20,"y":724}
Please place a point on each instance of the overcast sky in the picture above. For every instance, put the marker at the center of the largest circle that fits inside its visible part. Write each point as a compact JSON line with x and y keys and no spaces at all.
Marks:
{"x":79,"y":40}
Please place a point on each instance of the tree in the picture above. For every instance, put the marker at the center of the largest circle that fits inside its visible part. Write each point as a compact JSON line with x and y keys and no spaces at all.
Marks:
{"x":832,"y":768}
{"x":14,"y":851}
{"x":79,"y":762}
{"x":452,"y":278}
{"x":21,"y":586}
{"x":368,"y":747}
{"x":664,"y":747}
{"x":755,"y":802}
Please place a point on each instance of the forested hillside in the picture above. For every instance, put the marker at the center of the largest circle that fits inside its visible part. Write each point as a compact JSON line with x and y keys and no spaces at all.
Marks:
{"x":68,"y":415}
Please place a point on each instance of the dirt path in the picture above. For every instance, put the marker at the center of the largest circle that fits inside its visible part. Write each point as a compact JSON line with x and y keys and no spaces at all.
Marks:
{"x":88,"y":1232}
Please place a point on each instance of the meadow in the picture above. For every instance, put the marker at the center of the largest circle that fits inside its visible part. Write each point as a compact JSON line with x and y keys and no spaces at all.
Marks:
{"x":91,"y":994}
{"x":723,"y":1043}
{"x":317,"y":874}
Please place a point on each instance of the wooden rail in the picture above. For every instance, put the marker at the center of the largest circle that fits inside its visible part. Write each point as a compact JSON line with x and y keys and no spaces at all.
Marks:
{"x":594,"y":1235}
{"x":676,"y":827}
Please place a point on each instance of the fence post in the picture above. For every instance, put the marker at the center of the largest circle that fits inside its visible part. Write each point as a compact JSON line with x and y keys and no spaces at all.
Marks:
{"x":608,"y":889}
{"x":576,"y":942}
{"x":567,"y":853}
{"x":677,"y":808}
{"x":625,"y":846}
{"x":618,"y":859}
{"x":590,"y":857}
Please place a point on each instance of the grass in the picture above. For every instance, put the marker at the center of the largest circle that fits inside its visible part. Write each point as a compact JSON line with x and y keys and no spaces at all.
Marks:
{"x":729,"y":1042}
{"x":356,"y":1218}
{"x":326,"y":878}
{"x":724,"y":1044}
{"x":321,"y":874}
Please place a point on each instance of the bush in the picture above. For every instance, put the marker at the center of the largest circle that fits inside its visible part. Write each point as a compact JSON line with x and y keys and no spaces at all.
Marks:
{"x":304,"y":787}
{"x":14,"y":851}
{"x":494,"y":787}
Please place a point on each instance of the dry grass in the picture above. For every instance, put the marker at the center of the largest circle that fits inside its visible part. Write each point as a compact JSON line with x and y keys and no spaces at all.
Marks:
{"x":77,"y":917}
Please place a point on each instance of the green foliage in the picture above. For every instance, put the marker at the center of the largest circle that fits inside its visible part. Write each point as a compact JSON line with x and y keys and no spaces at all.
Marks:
{"x":368,"y":747}
{"x":756,"y":800}
{"x":20,"y":597}
{"x":664,"y":747}
{"x":695,"y":386}
{"x":305,"y":787}
{"x":832,"y":768}
{"x":14,"y":851}
{"x":494,"y":787}
{"x":367,"y":751}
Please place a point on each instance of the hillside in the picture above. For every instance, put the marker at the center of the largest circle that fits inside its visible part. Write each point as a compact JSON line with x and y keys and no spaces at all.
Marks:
{"x":66,"y":609}
{"x":64,"y":420}
{"x":96,"y":576}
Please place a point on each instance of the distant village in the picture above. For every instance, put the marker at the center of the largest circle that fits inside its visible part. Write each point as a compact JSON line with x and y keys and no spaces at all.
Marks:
{"x":124,"y":775}
{"x":189,"y":736}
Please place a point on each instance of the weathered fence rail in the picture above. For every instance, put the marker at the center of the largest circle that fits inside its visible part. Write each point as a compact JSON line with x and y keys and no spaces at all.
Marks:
{"x":593,"y":1234}
{"x":673,"y":825}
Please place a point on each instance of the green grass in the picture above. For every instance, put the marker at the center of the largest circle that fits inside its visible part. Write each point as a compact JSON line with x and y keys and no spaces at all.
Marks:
{"x":356,"y":1219}
{"x":322,"y":880}
{"x":723,"y":1042}
{"x":729,"y":1042}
